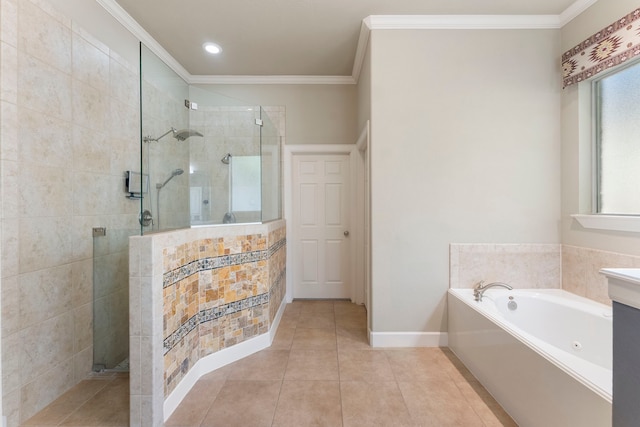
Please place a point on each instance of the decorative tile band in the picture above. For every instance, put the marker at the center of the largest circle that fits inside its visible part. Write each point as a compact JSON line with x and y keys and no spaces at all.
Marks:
{"x":215,"y":313}
{"x":171,"y":277}
{"x":212,"y":314}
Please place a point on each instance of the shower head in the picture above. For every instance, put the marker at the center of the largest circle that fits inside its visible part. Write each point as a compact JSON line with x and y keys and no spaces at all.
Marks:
{"x":180,"y":135}
{"x":226,"y":159}
{"x":174,"y":173}
{"x":183,"y":134}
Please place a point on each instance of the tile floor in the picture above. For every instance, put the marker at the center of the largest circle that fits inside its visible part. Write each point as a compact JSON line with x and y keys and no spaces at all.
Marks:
{"x":320,"y":371}
{"x":100,"y":400}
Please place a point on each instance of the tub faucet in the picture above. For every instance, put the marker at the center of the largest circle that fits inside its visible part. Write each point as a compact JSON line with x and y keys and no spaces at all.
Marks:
{"x":480,"y":287}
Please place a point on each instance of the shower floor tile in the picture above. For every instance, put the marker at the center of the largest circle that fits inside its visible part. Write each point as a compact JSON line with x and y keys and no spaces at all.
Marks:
{"x":100,"y":400}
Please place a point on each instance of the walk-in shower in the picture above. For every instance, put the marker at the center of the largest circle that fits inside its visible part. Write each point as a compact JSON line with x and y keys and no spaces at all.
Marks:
{"x":230,"y":155}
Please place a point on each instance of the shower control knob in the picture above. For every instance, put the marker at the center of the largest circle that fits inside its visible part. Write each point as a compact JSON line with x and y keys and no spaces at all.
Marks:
{"x":346,"y":233}
{"x":145,"y":218}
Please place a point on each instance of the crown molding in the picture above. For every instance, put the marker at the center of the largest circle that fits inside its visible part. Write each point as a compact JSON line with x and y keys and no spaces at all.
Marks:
{"x":361,"y":50}
{"x":574,"y":10}
{"x":374,"y":22}
{"x":271,"y":80}
{"x":136,"y":29}
{"x":462,"y":22}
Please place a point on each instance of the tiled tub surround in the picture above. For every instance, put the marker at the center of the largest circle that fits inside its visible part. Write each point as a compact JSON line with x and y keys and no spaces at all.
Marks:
{"x":523,"y":266}
{"x":69,"y":114}
{"x":197,"y":306}
{"x":527,"y":266}
{"x":581,"y":266}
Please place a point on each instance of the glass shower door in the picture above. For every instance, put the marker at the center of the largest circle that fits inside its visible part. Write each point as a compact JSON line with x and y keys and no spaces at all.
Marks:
{"x":111,"y":299}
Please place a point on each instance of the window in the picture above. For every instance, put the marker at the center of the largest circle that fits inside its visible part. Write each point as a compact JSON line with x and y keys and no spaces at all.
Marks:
{"x":617,"y":113}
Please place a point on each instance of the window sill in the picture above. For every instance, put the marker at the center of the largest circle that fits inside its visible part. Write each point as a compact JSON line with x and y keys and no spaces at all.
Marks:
{"x":629,"y":223}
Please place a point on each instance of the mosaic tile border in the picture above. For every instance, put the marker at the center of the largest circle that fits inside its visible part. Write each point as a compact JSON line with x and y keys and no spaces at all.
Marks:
{"x":174,"y":276}
{"x":212,"y":314}
{"x":216,"y":313}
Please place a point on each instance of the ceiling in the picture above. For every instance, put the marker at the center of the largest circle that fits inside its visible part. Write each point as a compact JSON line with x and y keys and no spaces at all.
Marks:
{"x":291,"y":37}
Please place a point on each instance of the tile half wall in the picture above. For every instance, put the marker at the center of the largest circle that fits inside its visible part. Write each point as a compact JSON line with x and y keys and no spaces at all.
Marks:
{"x":196,"y":294}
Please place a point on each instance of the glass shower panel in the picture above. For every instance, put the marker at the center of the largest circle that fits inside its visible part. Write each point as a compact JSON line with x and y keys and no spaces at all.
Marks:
{"x":270,"y":166}
{"x":166,"y":135}
{"x":223,"y":165}
{"x":111,"y":299}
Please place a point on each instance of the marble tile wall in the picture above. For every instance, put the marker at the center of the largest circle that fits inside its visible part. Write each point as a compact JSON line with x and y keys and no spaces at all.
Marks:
{"x":574,"y":269}
{"x":581,"y":266}
{"x":520,"y":265}
{"x":68,"y":116}
{"x":231,"y":130}
{"x":163,"y":108}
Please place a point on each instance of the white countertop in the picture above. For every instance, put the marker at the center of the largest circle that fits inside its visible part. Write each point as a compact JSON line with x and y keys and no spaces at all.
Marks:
{"x":624,"y":285}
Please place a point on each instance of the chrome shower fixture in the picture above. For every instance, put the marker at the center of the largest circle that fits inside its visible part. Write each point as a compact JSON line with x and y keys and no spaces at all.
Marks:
{"x":226,"y":159}
{"x":175,"y":173}
{"x":180,"y":135}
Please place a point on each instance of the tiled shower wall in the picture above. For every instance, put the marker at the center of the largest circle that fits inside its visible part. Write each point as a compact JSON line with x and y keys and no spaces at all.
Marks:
{"x":163,"y":95}
{"x":69,"y":120}
{"x":206,"y":289}
{"x":233,"y":130}
{"x":574,"y":269}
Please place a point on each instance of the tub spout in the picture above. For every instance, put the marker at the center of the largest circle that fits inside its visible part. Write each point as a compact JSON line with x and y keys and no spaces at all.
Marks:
{"x":480,"y":287}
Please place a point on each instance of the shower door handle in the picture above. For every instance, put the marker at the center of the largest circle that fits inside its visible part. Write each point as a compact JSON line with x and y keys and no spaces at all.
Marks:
{"x":346,"y":233}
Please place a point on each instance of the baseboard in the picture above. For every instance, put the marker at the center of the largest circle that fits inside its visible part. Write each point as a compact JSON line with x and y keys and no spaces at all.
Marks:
{"x":408,"y":339}
{"x":218,"y":360}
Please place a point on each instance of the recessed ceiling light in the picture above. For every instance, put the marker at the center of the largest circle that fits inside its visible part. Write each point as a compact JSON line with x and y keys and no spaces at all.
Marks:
{"x":212,"y":48}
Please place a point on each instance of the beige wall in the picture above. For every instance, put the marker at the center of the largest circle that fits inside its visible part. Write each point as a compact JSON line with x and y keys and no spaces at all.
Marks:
{"x":576,"y":139}
{"x":465,"y":147}
{"x":316,"y":114}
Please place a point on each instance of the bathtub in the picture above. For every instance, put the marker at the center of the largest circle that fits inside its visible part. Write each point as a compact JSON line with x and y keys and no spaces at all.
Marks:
{"x":545,"y":355}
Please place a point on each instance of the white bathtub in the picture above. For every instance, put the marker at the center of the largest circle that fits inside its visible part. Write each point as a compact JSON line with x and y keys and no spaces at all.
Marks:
{"x":547,"y":362}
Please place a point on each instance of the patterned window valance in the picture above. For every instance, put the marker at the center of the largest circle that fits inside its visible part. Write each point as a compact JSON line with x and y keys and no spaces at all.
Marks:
{"x":607,"y":48}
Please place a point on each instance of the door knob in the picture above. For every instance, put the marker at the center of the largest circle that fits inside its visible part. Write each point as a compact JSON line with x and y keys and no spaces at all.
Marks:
{"x":346,"y":233}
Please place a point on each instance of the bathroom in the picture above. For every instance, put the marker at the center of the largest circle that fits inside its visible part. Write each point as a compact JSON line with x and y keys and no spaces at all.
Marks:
{"x":53,"y":194}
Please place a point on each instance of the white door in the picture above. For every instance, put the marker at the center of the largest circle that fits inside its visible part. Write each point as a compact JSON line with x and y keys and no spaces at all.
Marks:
{"x":321,"y":229}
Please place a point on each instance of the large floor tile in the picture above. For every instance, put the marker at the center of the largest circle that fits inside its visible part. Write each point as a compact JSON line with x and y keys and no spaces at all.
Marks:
{"x":194,"y":407}
{"x":316,"y":306}
{"x":109,"y":407}
{"x":352,"y":339}
{"x":323,"y":320}
{"x":490,"y":411}
{"x":364,"y":365}
{"x":312,"y":365}
{"x":309,"y":403}
{"x":418,"y":364}
{"x":68,"y":403}
{"x":244,"y":403}
{"x":351,"y":320}
{"x":283,"y":339}
{"x":314,"y":339}
{"x":438,"y":403}
{"x":366,"y":404}
{"x":265,"y":365}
